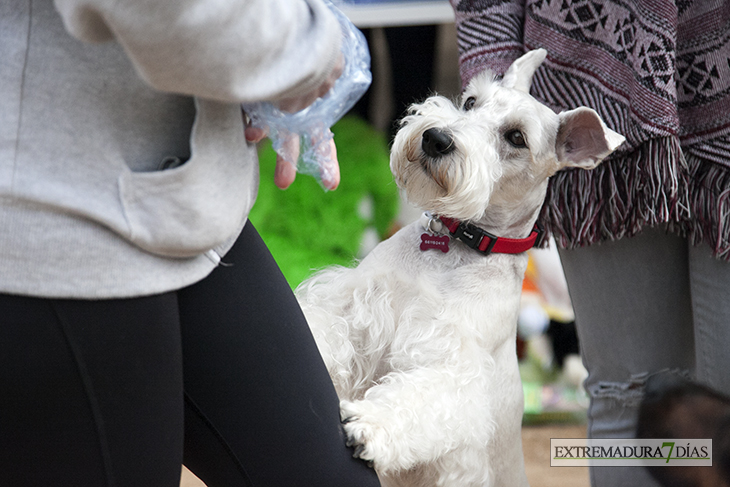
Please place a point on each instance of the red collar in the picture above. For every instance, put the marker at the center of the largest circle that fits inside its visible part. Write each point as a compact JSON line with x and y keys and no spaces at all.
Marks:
{"x":486,"y":243}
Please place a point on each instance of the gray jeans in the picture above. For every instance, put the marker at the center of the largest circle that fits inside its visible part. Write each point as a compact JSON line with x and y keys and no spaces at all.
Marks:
{"x":645,"y":304}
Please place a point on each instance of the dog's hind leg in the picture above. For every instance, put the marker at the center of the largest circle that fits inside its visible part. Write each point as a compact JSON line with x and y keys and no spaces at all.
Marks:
{"x":351,"y":318}
{"x":332,"y":338}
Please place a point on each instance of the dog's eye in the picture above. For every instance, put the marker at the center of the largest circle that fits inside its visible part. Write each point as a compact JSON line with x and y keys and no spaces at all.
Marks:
{"x":469,"y":103}
{"x":516,"y":138}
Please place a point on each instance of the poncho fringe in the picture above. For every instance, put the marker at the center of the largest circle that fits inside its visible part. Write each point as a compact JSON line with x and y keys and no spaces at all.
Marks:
{"x":690,"y":194}
{"x":709,"y":190}
{"x":618,"y":198}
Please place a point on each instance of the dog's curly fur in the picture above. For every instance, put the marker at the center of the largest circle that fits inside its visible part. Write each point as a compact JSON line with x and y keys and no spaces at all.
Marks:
{"x":421,"y":344}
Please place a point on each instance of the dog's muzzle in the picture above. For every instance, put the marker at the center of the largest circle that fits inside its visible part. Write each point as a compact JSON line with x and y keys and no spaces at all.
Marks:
{"x":437,"y":143}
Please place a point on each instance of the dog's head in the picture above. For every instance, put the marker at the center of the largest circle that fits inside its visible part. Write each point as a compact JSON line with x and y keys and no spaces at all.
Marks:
{"x":496,"y":144}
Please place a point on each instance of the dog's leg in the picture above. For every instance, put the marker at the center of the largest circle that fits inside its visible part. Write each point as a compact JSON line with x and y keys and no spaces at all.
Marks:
{"x":505,"y":451}
{"x":333,"y":341}
{"x":417,"y":416}
{"x":351,"y":318}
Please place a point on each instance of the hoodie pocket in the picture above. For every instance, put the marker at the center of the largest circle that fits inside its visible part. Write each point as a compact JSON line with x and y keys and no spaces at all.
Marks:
{"x":190,"y":209}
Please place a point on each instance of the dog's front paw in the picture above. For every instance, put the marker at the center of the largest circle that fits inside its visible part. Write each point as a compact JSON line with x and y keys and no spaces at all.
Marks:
{"x":367,"y":432}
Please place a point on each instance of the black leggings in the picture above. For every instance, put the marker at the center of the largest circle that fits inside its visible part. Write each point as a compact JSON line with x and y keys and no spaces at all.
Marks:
{"x":223,"y":375}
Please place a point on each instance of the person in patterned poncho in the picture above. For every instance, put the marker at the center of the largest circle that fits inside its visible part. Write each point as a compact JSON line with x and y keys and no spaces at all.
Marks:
{"x":645,"y":237}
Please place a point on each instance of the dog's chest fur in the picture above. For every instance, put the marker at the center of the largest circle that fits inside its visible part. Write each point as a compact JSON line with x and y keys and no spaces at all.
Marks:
{"x":459,"y":273}
{"x":456,"y":283}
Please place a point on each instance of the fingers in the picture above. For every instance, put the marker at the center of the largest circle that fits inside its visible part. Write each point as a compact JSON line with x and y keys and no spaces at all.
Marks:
{"x":286,"y":167}
{"x":254,"y":135}
{"x":284,"y":174}
{"x":285,"y":171}
{"x":331,"y":175}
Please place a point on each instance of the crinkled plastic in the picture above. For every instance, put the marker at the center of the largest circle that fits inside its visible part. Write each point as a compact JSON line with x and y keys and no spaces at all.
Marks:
{"x":308,"y":131}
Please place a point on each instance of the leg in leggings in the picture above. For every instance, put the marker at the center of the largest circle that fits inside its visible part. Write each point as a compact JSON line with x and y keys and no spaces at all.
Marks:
{"x":260,"y":409}
{"x":91,"y":392}
{"x":634,"y":317}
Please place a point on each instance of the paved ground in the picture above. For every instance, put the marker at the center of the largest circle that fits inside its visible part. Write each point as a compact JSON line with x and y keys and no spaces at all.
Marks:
{"x":536,"y":445}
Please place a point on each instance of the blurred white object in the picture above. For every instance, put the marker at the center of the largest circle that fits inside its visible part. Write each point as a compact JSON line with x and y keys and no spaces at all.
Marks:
{"x":533,"y":320}
{"x":574,"y":371}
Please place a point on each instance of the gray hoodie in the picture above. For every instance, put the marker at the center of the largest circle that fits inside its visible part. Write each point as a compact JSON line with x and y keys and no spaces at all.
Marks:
{"x":89,"y":121}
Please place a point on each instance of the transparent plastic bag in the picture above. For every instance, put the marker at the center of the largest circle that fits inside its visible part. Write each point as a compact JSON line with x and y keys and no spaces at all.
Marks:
{"x":308,"y":131}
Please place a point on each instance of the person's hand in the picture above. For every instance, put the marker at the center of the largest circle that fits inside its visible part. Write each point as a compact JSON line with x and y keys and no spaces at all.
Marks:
{"x":285,"y":171}
{"x":297,"y":103}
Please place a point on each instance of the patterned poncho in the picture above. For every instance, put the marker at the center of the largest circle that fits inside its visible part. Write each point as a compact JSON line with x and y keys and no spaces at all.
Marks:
{"x":658,"y":72}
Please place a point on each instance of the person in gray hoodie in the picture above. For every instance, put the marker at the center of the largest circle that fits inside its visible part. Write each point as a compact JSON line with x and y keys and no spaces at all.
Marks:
{"x":143,"y":323}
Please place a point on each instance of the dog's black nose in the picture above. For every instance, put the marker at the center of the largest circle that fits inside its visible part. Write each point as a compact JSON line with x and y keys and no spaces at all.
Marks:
{"x":437,"y":143}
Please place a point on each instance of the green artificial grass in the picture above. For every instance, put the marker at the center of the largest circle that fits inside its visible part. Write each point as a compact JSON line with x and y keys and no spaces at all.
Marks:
{"x":307,"y":228}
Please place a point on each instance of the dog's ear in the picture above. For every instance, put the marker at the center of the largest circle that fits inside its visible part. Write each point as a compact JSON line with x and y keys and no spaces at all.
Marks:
{"x":583,"y":139}
{"x":519,"y":74}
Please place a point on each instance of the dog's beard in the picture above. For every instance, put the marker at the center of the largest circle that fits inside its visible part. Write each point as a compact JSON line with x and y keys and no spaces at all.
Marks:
{"x":438,"y":170}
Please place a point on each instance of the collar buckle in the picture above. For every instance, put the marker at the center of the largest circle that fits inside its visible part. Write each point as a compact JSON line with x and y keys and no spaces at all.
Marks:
{"x":486,"y":243}
{"x":474,"y":236}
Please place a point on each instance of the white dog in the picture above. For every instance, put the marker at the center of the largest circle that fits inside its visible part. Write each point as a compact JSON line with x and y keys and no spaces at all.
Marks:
{"x":419,"y":338}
